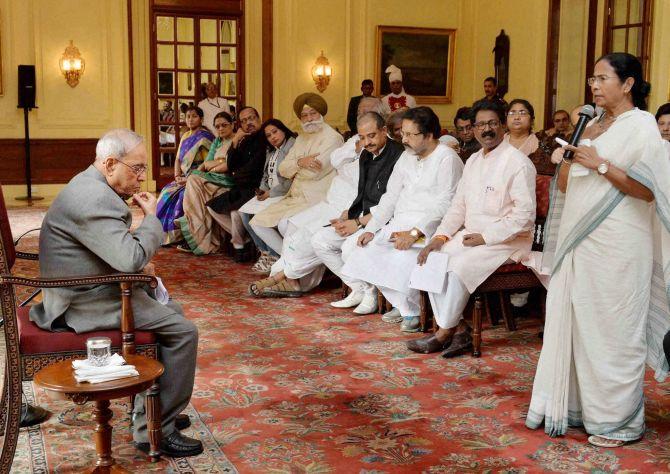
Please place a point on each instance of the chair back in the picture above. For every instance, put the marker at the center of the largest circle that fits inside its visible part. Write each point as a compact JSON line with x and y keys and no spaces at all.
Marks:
{"x":8,"y":250}
{"x":542,"y":185}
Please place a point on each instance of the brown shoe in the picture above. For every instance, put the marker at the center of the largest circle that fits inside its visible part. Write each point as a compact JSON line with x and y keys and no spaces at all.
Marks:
{"x":460,"y":343}
{"x":427,"y":344}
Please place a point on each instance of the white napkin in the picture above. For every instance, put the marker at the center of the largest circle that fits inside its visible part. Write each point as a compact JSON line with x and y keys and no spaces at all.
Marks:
{"x":116,"y":368}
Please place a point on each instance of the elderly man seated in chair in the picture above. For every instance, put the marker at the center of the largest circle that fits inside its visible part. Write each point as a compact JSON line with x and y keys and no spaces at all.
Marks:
{"x":490,"y":221}
{"x":87,"y":232}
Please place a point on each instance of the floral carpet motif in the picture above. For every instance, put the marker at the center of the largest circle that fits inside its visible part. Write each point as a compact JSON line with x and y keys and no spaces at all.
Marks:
{"x":295,"y":386}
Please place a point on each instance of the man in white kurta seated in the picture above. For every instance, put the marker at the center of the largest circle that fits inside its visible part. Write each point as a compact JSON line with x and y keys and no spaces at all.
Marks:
{"x":332,"y":244}
{"x":490,"y":222}
{"x":307,"y":164}
{"x":418,"y":194}
{"x":212,"y":105}
{"x":299,"y":269}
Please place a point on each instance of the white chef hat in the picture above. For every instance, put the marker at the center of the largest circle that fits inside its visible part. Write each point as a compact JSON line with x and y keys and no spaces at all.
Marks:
{"x":394,"y":73}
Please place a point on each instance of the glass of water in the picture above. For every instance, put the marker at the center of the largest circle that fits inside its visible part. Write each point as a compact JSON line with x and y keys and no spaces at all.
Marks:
{"x":99,"y":350}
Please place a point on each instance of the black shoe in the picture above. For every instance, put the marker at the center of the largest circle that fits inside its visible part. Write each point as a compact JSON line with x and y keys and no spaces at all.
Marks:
{"x":175,"y":445}
{"x":32,"y":415}
{"x":181,"y":421}
{"x":460,"y":344}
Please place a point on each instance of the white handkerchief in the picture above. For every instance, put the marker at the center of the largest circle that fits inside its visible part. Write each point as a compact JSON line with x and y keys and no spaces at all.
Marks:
{"x":105,"y":378}
{"x":432,"y":275}
{"x":162,"y":295}
{"x":107,"y":370}
{"x":115,"y":359}
{"x":577,"y":170}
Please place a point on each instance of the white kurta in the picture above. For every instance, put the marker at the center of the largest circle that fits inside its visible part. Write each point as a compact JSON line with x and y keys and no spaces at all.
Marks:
{"x":298,"y":260}
{"x":418,"y":194}
{"x":211,"y":107}
{"x":495,"y":198}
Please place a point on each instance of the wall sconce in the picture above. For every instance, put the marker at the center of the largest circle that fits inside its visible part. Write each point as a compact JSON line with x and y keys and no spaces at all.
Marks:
{"x":321,"y":73}
{"x":72,"y":65}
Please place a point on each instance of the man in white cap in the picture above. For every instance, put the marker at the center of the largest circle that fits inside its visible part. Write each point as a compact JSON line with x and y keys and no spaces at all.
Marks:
{"x":398,"y":98}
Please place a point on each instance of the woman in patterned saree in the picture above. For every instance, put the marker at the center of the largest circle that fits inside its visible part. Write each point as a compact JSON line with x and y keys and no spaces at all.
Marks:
{"x":193,"y":149}
{"x":608,"y":247}
{"x":209,"y":180}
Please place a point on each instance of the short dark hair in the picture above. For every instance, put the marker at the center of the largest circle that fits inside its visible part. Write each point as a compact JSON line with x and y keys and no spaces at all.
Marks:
{"x":425,"y":119}
{"x":626,"y":65}
{"x":280,"y":125}
{"x":527,"y":105}
{"x":464,"y":113}
{"x":374,"y":116}
{"x":245,"y":107}
{"x":561,"y":111}
{"x":224,"y":115}
{"x":491,"y":79}
{"x":488,"y":105}
{"x":367,"y":82}
{"x":663,"y":110}
{"x":196,"y":109}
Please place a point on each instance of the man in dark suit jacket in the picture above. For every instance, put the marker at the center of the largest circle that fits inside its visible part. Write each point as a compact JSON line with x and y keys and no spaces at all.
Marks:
{"x":334,"y":243}
{"x":367,"y":87}
{"x":87,"y":232}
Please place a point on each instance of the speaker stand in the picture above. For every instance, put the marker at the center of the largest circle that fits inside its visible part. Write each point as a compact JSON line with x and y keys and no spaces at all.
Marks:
{"x":29,"y":192}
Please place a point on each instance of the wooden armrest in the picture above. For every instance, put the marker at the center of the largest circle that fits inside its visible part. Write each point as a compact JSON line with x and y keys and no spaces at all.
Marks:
{"x":79,"y":281}
{"x":27,"y":256}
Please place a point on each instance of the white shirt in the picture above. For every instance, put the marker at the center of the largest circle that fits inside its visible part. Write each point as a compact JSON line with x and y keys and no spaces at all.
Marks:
{"x":211,"y":107}
{"x":419,"y":190}
{"x":495,"y":198}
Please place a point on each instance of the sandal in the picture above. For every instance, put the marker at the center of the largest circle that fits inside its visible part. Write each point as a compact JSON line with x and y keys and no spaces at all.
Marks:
{"x":256,"y":287}
{"x":281,"y":290}
{"x":184,"y":248}
{"x":601,"y":442}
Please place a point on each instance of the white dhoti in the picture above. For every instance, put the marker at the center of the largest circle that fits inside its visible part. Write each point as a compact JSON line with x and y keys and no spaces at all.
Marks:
{"x":333,"y":250}
{"x":273,"y":236}
{"x":448,"y":307}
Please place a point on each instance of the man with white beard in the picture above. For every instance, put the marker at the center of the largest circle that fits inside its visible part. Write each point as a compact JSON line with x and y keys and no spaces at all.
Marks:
{"x":308,"y":164}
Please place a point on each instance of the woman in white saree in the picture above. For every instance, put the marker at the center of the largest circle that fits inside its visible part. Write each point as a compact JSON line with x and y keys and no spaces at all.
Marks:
{"x":609,"y":250}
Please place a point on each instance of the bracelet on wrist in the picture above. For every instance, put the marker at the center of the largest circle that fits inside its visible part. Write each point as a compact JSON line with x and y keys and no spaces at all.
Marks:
{"x":567,"y":162}
{"x":443,"y":238}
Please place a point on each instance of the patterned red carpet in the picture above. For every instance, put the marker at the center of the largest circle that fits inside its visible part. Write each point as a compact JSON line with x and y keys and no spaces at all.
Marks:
{"x":294,"y":386}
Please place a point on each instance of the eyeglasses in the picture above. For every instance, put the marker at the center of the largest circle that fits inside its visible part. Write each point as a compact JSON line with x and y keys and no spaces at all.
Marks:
{"x":137,"y":169}
{"x":467,"y":128}
{"x":223,"y":125}
{"x":599,"y":79}
{"x":409,"y":134}
{"x":520,"y":113}
{"x":490,"y":124}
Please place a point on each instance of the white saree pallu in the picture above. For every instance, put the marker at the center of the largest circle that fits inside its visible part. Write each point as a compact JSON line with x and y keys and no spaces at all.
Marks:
{"x":607,"y":303}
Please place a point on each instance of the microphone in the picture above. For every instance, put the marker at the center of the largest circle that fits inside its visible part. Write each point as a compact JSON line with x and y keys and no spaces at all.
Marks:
{"x":586,"y":114}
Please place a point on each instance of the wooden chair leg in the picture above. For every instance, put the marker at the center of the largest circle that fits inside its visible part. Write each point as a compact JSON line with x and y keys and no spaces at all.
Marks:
{"x":345,"y":290}
{"x":477,"y":327}
{"x":425,"y":312}
{"x":154,"y":422}
{"x":381,"y":302}
{"x":487,"y":309}
{"x":506,"y":311}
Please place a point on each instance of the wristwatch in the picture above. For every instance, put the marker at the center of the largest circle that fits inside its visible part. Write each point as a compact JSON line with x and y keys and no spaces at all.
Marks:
{"x":603,"y":167}
{"x":416,"y":233}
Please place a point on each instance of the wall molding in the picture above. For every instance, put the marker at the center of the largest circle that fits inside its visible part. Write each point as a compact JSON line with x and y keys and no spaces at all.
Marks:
{"x":53,"y":160}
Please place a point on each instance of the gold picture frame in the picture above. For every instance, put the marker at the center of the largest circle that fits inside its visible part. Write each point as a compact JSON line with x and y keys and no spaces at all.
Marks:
{"x":427,"y":77}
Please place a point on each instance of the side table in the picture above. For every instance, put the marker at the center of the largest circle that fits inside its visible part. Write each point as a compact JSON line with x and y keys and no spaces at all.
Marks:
{"x":59,"y":382}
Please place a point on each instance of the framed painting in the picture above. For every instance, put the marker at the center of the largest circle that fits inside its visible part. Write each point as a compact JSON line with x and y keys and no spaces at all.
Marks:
{"x":426,"y":58}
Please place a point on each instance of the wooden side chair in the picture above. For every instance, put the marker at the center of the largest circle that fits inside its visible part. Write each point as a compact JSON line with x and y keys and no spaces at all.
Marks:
{"x":39,"y":348}
{"x":508,"y":278}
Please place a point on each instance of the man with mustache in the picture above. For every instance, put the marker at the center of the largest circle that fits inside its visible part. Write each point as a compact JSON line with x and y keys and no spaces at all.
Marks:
{"x":87,"y":232}
{"x":307,"y":164}
{"x":376,"y":164}
{"x":490,"y":222}
{"x":418,"y":194}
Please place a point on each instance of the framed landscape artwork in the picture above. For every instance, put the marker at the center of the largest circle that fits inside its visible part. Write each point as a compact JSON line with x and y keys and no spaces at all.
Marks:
{"x":425,"y":56}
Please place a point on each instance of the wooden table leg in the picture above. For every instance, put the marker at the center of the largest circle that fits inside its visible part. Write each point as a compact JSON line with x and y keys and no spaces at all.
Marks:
{"x":103,"y":439}
{"x":477,"y":327}
{"x":154,"y":422}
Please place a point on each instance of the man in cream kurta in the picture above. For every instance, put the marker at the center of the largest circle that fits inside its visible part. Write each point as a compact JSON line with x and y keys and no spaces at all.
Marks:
{"x":307,"y":163}
{"x":490,"y":221}
{"x":417,"y":195}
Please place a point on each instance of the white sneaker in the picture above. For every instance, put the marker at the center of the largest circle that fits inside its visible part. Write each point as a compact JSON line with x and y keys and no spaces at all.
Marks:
{"x":368,"y":304}
{"x":392,"y":316}
{"x":353,"y":299}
